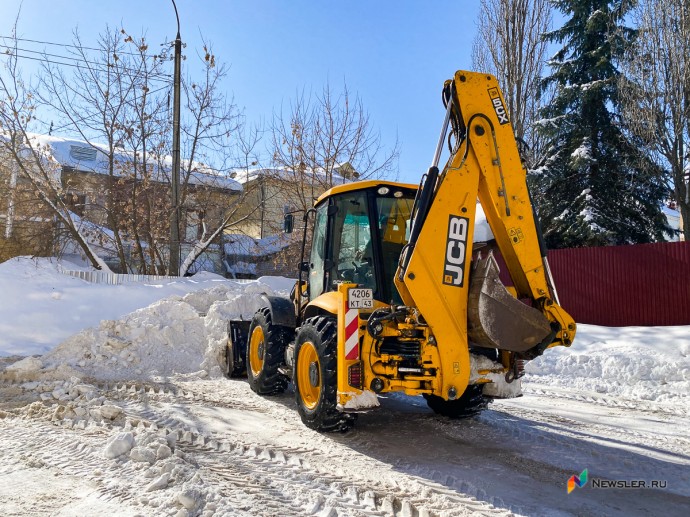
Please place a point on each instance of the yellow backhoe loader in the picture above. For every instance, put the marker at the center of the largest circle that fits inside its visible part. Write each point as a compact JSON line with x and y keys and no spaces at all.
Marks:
{"x":399,"y":298}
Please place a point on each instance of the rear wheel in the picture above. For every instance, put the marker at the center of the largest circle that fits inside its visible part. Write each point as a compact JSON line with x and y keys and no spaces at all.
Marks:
{"x":470,"y":403}
{"x":315,"y":376}
{"x":265,"y":353}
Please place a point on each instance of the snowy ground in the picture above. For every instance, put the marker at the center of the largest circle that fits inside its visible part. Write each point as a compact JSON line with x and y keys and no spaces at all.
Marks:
{"x":132,"y":416}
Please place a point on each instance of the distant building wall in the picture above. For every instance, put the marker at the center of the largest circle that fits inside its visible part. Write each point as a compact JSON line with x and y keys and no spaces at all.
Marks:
{"x":644,"y":284}
{"x":262,"y":210}
{"x":26,"y":223}
{"x":269,"y":196}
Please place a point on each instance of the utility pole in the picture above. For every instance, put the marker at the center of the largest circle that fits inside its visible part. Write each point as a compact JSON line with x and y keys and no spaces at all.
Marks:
{"x":174,"y":269}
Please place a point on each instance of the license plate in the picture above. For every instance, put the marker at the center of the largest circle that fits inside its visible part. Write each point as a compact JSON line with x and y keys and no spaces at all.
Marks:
{"x":360,"y":298}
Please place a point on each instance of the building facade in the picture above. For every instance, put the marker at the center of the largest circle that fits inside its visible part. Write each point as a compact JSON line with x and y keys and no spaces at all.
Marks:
{"x":104,"y":191}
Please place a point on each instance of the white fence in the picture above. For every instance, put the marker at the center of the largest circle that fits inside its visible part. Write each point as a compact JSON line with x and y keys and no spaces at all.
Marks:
{"x":101,"y":277}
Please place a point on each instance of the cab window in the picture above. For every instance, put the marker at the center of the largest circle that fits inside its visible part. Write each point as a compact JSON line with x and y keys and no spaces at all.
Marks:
{"x":352,"y":241}
{"x":318,"y":252}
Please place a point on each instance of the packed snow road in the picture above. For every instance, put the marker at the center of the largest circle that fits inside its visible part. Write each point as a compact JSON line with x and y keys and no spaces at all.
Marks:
{"x":131,"y":416}
{"x":204,"y":447}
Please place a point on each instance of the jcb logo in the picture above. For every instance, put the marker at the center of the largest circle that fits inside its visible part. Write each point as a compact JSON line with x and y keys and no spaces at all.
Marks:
{"x":456,"y":246}
{"x":499,"y":108}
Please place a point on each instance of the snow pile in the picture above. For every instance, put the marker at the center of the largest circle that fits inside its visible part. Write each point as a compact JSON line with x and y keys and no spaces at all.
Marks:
{"x":481,"y":367}
{"x":366,"y":399}
{"x":482,"y":230}
{"x":166,"y":337}
{"x":177,"y":334}
{"x":173,"y":336}
{"x":245,"y":246}
{"x":40,"y":306}
{"x":634,"y":362}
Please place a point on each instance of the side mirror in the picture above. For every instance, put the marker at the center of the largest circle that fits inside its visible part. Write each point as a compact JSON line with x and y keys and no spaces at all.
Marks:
{"x":304,"y":267}
{"x":288,"y":223}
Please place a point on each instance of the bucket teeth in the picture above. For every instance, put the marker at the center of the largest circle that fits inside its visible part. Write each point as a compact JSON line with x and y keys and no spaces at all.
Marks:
{"x":496,"y":319}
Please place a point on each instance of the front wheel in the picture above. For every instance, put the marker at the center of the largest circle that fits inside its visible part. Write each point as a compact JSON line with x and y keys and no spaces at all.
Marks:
{"x":265,"y":352}
{"x":315,"y":376}
{"x":469,"y":404}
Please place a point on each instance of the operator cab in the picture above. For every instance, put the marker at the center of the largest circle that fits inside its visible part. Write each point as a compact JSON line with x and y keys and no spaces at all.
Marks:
{"x":359,"y":233}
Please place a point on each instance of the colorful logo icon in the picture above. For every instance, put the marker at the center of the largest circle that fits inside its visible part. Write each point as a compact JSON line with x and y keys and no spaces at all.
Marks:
{"x":580,"y":481}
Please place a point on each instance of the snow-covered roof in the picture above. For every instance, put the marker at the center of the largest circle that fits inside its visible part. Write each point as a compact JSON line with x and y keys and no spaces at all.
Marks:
{"x":244,"y":245}
{"x":50,"y":166}
{"x":247,"y":175}
{"x":92,"y":157}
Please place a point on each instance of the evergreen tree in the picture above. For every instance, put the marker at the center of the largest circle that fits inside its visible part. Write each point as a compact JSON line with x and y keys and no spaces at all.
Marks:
{"x":596,"y":186}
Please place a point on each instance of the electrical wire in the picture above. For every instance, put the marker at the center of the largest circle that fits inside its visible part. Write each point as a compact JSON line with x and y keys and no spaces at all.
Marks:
{"x":67,"y":45}
{"x":77,"y":63}
{"x":73,"y":58}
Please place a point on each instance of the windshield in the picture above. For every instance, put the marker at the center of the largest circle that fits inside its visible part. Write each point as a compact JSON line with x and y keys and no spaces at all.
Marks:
{"x":352,"y":242}
{"x":370,"y":230}
{"x":361,"y":240}
{"x":393,"y":216}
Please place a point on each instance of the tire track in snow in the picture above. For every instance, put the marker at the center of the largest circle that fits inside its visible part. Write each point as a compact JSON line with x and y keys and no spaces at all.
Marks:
{"x":674,"y":445}
{"x":608,"y":401}
{"x":144,"y":391}
{"x":64,"y":451}
{"x":227,"y":460}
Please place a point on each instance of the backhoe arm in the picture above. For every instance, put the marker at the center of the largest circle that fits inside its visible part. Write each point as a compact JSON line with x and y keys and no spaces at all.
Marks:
{"x":434,"y":271}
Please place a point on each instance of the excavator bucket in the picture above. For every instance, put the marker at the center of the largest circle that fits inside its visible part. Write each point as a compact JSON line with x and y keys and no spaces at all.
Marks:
{"x":496,"y":319}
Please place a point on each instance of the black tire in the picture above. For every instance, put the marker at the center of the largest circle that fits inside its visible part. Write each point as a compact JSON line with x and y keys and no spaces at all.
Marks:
{"x":265,"y":354}
{"x":469,"y":404}
{"x":315,"y":376}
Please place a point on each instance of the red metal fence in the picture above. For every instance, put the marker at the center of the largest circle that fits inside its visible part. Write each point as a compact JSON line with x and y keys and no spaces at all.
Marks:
{"x":643,"y":284}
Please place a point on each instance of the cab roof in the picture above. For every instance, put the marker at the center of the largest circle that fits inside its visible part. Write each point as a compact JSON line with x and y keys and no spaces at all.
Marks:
{"x":363,"y":185}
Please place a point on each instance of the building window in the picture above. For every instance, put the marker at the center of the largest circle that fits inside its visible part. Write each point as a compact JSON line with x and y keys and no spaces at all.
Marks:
{"x":75,"y":202}
{"x":194,"y":228}
{"x":82,"y":154}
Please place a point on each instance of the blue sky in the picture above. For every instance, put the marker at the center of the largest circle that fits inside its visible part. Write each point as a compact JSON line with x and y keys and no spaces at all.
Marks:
{"x":394,"y":54}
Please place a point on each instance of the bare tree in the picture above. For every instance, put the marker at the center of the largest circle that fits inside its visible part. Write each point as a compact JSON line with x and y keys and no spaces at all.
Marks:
{"x":30,"y":160}
{"x":113,"y":100}
{"x":118,"y":101}
{"x":509,"y":45}
{"x":655,"y":86}
{"x":245,"y":158}
{"x":323,"y":140}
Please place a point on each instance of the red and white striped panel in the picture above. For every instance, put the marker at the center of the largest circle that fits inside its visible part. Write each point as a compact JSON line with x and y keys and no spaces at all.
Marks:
{"x":351,"y":334}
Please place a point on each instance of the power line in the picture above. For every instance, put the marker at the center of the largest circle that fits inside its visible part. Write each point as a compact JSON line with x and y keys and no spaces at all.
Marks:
{"x":76,"y":64}
{"x":160,"y":77}
{"x":66,"y":45}
{"x":77,"y":59}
